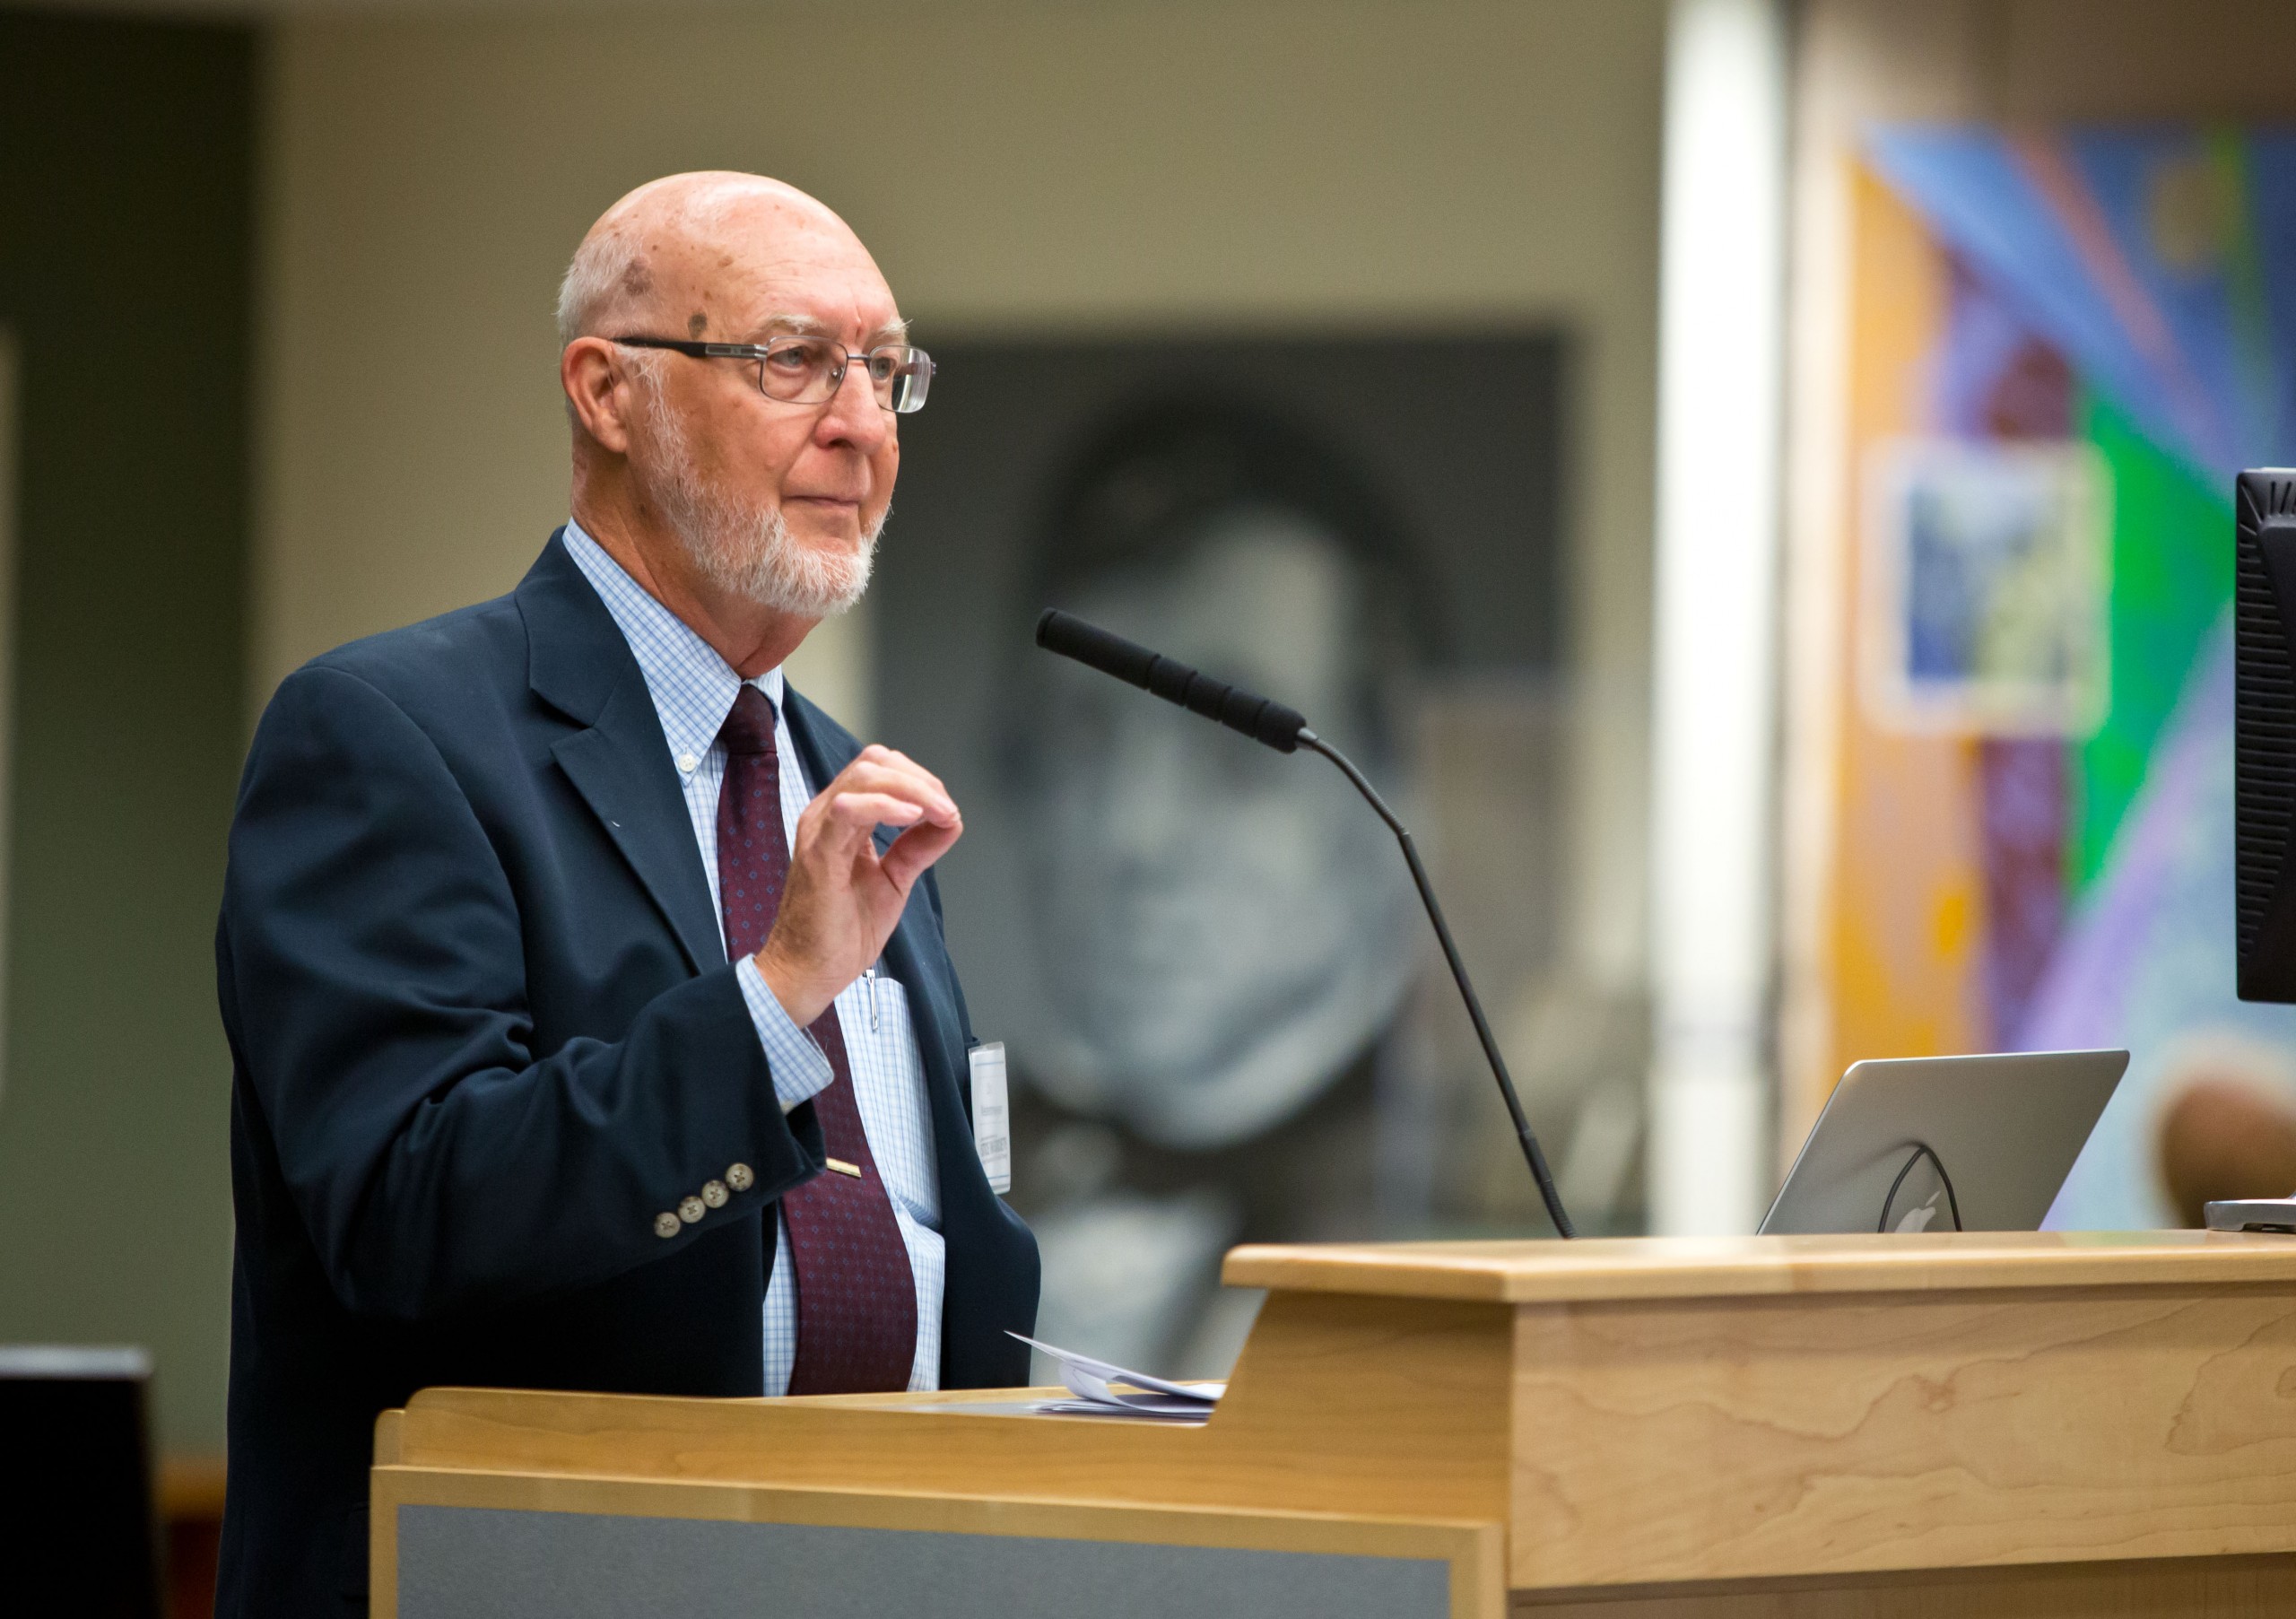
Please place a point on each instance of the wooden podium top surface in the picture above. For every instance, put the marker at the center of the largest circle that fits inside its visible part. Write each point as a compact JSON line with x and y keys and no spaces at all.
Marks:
{"x":1592,"y":1269}
{"x":1635,"y":1412}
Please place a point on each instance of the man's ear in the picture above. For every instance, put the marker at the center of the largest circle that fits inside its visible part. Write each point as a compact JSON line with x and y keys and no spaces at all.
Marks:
{"x":599,"y":391}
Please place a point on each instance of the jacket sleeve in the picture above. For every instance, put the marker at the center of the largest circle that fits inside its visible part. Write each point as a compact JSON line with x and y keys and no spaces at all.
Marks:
{"x":374,"y":988}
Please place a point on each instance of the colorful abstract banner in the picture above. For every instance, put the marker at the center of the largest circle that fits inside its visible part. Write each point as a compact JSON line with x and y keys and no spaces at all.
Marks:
{"x":2129,"y":294}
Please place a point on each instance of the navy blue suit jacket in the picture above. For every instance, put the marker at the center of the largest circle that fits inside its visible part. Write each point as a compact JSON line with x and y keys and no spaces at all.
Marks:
{"x":483,"y":1031}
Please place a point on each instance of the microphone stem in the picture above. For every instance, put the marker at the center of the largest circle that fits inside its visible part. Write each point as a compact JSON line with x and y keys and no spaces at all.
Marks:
{"x":1531,"y":1154}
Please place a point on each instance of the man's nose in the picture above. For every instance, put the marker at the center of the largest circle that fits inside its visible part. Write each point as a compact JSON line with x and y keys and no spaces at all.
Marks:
{"x":853,"y":416}
{"x":1142,"y":820}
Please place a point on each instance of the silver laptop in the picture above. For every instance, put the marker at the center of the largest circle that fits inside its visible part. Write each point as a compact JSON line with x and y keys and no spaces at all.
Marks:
{"x":1907,"y":1143}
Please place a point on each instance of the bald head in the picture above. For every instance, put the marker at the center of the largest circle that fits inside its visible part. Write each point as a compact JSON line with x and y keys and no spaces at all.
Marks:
{"x":653,"y":260}
{"x":751,"y":515}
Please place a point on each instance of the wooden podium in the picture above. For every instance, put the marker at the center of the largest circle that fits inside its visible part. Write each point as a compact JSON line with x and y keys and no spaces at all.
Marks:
{"x":1763,"y":1427}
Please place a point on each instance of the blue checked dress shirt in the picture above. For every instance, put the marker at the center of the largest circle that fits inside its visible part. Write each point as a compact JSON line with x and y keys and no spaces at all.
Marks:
{"x":693,"y":691}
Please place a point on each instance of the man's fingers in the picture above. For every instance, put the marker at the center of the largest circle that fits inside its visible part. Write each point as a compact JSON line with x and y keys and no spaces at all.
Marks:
{"x":843,"y":897}
{"x":876,"y":753}
{"x":865,"y":811}
{"x":914,"y":786}
{"x":882,"y":770}
{"x":915,"y":849}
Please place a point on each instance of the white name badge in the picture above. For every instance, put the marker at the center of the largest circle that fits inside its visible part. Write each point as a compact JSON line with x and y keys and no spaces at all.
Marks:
{"x":992,"y":1116}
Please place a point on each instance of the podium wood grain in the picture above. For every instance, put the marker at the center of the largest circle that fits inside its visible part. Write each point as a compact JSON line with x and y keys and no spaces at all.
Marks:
{"x":1764,"y":1408}
{"x":1346,"y":1405}
{"x":1782,"y":1428}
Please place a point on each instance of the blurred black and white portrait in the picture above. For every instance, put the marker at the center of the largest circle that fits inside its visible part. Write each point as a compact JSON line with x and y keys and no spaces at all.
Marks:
{"x":1204,"y":958}
{"x":1219,"y":928}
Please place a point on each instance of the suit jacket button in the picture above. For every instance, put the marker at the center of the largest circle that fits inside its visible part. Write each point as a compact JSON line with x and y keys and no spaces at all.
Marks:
{"x":691,"y":1210}
{"x":666,"y":1225}
{"x":741,"y":1177}
{"x":714,"y":1193}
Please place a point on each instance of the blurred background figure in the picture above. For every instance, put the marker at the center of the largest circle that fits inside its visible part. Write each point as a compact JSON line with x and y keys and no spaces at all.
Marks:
{"x":1219,"y":933}
{"x":1203,"y":956}
{"x":2227,"y":1128}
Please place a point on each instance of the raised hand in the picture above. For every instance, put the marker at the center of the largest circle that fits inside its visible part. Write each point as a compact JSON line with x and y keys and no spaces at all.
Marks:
{"x":842,"y":899}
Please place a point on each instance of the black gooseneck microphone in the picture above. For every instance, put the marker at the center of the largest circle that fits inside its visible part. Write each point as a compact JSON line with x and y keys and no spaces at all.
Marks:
{"x":1286,"y":731}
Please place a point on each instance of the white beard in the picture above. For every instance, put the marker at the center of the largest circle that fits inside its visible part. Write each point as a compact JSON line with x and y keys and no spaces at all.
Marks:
{"x":748,"y":551}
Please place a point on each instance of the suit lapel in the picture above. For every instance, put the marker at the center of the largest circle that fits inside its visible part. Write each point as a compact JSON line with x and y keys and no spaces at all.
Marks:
{"x":578,"y":663}
{"x":637,"y":799}
{"x":823,"y":747}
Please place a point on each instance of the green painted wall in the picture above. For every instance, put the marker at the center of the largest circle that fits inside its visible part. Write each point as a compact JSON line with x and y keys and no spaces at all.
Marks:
{"x":127,"y":175}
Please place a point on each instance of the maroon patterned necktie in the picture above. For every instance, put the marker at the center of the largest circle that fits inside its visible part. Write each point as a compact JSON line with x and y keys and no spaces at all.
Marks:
{"x":857,"y":1299}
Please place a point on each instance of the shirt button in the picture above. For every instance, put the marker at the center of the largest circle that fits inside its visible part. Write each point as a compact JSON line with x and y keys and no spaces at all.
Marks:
{"x":714,"y":1193}
{"x":741,"y":1177}
{"x":691,"y":1210}
{"x":686,"y":761}
{"x":666,"y":1224}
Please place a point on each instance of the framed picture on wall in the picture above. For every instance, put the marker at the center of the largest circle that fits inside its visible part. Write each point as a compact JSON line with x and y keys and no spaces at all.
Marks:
{"x":1987,"y":587}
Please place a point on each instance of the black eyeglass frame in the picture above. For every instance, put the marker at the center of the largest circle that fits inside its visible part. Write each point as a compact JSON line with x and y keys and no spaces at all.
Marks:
{"x":922,"y":363}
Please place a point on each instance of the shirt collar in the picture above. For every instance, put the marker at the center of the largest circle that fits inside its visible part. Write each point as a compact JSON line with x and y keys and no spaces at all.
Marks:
{"x":692,"y":687}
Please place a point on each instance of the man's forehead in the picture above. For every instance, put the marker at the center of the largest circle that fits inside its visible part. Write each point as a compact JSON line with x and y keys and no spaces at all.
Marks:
{"x":781,"y":323}
{"x":774,"y":291}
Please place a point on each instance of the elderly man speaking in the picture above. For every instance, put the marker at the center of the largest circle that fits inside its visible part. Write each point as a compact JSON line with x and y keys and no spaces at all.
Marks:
{"x":591,"y":1019}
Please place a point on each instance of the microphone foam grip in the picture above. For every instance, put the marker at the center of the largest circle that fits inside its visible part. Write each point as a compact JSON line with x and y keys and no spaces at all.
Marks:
{"x":1261,"y":718}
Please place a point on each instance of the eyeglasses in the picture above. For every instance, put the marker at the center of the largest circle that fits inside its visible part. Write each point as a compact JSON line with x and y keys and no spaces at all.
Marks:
{"x":809,"y":370}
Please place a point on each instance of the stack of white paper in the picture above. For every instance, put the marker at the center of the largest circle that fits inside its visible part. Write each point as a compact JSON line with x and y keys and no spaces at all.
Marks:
{"x":1095,"y":1384}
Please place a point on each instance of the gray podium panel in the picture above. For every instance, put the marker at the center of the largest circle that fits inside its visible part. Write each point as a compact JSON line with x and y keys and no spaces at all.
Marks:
{"x":483,"y":1562}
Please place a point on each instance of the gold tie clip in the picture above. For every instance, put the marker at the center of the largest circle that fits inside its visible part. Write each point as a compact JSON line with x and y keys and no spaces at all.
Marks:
{"x":840,"y":1166}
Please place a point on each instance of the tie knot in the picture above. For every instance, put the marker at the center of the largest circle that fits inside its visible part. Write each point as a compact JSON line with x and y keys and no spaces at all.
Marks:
{"x":749,"y":728}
